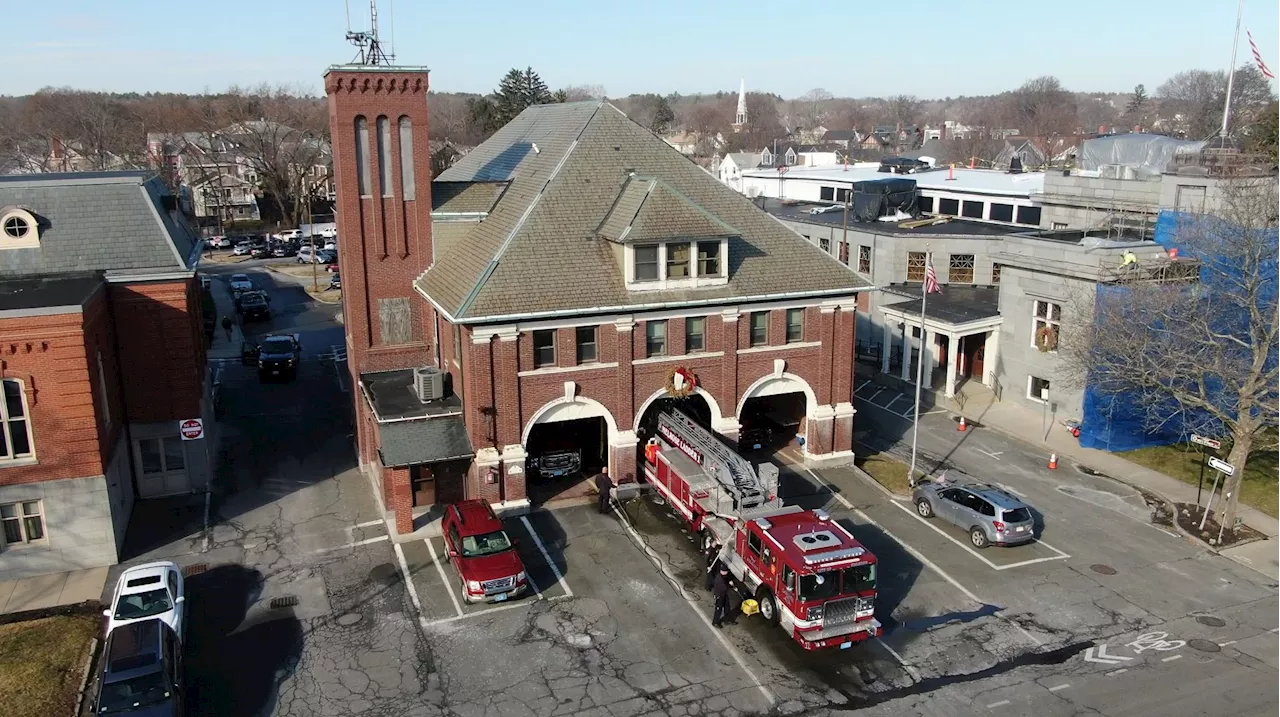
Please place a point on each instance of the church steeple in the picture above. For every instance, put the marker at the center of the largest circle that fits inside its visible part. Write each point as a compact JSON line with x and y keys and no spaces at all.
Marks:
{"x":740,"y":119}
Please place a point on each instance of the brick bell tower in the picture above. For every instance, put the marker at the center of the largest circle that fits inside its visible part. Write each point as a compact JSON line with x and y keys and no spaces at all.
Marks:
{"x":382,"y":172}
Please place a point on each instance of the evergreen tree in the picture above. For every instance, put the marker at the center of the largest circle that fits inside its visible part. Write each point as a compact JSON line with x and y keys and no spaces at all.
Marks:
{"x":519,"y":90}
{"x":663,"y":115}
{"x":1137,"y":107}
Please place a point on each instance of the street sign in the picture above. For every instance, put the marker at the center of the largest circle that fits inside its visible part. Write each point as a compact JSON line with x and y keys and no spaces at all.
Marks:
{"x":191,"y":429}
{"x":1222,"y":466}
{"x":1213,"y":443}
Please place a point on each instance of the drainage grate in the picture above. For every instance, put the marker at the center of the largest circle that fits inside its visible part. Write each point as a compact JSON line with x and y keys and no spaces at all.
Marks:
{"x":1211,"y":620}
{"x":284,"y":601}
{"x":1203,"y":645}
{"x":195,"y":569}
{"x":1101,"y":569}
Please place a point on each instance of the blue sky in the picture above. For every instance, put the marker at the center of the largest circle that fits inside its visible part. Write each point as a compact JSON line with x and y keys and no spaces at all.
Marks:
{"x":926,"y":48}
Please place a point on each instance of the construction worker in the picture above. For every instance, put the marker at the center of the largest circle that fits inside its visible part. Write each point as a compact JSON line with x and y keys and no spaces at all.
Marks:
{"x":720,"y":590}
{"x":1128,"y":258}
{"x":604,"y":484}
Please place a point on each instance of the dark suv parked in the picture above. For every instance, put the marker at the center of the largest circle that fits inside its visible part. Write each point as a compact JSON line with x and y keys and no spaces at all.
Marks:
{"x":141,"y":671}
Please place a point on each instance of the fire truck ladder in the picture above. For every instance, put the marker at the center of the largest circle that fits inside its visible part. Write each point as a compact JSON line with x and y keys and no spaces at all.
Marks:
{"x":733,"y":472}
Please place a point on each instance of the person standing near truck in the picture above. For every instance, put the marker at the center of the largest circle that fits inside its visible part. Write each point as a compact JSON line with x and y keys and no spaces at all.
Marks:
{"x":721,"y":592}
{"x":604,"y":484}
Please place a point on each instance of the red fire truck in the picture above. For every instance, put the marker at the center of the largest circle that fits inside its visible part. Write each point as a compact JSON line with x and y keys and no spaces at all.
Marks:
{"x":806,"y":571}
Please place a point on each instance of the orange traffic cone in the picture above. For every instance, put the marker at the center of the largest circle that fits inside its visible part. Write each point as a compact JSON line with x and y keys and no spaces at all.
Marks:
{"x":963,"y":426}
{"x":1053,"y":461}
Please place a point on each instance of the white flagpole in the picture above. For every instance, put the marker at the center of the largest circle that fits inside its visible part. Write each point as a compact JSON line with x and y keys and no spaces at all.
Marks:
{"x":1231,"y":74}
{"x":906,"y":352}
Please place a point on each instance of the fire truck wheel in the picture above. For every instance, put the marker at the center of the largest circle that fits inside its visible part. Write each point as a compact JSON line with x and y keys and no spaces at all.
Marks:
{"x":768,"y":609}
{"x":924,"y":509}
{"x":978,"y":537}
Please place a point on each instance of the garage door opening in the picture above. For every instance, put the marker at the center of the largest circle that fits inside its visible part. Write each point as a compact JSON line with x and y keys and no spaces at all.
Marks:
{"x":695,"y":406}
{"x":562,"y":455}
{"x":770,"y":423}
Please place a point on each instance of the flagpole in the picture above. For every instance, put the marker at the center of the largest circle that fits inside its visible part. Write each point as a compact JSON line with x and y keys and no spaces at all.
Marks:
{"x":906,"y":352}
{"x":1231,"y":74}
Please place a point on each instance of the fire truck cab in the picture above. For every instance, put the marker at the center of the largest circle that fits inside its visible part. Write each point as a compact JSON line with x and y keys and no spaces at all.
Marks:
{"x":806,"y":572}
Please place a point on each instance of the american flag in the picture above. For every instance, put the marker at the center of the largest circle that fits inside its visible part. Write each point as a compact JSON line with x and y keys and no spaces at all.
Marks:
{"x":1257,"y":57}
{"x":931,"y":284}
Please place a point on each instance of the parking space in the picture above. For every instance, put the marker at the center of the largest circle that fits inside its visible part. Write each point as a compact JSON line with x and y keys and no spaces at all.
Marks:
{"x":891,"y":400}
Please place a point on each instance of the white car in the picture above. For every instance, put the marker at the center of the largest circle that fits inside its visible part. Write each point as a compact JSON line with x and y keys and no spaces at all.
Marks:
{"x":331,"y":245}
{"x":220,"y":242}
{"x":242,"y":249}
{"x":241,"y":282}
{"x":323,"y":256}
{"x":290,"y":234}
{"x":147,"y":591}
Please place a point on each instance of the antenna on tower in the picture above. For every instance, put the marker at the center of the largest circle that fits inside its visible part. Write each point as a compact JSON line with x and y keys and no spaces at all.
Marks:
{"x":371,"y":50}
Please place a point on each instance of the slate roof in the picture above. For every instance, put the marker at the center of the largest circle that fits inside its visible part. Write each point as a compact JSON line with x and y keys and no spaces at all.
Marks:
{"x":464,"y":197}
{"x":406,"y":443}
{"x":98,"y":221}
{"x":568,"y":165}
{"x":648,"y":210}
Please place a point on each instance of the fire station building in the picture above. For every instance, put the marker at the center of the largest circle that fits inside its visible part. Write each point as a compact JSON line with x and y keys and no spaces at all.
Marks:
{"x":531,"y":310}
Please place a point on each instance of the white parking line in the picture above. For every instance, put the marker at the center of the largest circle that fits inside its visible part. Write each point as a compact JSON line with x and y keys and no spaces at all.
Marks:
{"x":862,"y":385}
{"x":1058,"y":687}
{"x":1060,"y":555}
{"x":873,"y":397}
{"x":915,"y":674}
{"x":1172,"y":658}
{"x":444,"y":579}
{"x":546,"y":556}
{"x":994,"y":705}
{"x":408,"y":581}
{"x":1113,"y":673}
{"x":920,"y":556}
{"x":355,"y":544}
{"x":489,"y":611}
{"x":1228,"y":642}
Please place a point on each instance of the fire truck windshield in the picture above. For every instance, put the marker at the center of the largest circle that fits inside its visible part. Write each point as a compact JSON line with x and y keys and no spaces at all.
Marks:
{"x":820,"y":586}
{"x":859,"y":578}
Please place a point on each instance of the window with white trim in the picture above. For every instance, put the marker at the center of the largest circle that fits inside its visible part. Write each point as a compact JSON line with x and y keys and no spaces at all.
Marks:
{"x":864,"y":259}
{"x":1046,"y":322}
{"x":586,"y":339}
{"x":161,"y":455}
{"x":15,"y":423}
{"x":1038,"y":389}
{"x":655,"y":338}
{"x":18,"y":229}
{"x":544,"y":348}
{"x":795,"y":325}
{"x":23,"y":523}
{"x":695,"y":334}
{"x":760,"y":328}
{"x":708,"y":258}
{"x":960,"y":269}
{"x":646,"y":262}
{"x":678,"y":261}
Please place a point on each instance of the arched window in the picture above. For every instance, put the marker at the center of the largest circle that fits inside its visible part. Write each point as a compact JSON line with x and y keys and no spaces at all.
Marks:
{"x":384,"y":156}
{"x":363,"y":179}
{"x":406,"y":157}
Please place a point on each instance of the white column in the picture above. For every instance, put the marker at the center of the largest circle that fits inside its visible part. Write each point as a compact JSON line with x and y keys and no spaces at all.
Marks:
{"x":953,"y":355}
{"x":885,"y":347}
{"x":990,"y":356}
{"x":927,"y":348}
{"x":906,"y":352}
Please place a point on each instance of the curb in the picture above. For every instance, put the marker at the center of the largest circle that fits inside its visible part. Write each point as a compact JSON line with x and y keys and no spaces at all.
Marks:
{"x":88,"y":669}
{"x":867,"y":478}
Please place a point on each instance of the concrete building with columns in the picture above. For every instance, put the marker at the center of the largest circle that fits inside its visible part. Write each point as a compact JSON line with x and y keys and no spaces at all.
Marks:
{"x":563,"y":274}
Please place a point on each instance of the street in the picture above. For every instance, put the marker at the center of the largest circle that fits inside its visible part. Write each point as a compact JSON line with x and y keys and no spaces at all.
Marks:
{"x":301,"y":605}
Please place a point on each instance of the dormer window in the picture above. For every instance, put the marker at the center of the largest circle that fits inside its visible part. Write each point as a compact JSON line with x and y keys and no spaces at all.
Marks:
{"x":18,"y":229}
{"x":708,"y":258}
{"x":678,"y":261}
{"x":677,"y":265}
{"x":646,"y":263}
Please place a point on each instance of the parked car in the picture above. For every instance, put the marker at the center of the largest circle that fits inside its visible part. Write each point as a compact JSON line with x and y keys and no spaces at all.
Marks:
{"x":153,"y":590}
{"x":260,"y":251}
{"x":282,"y":249}
{"x":254,"y":305}
{"x":483,"y":555}
{"x":326,"y":256}
{"x":306,"y":254}
{"x":242,"y":249}
{"x":220,"y":242}
{"x":279,"y":355}
{"x":290,"y":234}
{"x":240,"y":282}
{"x":333,"y":266}
{"x":328,"y":232}
{"x":331,"y":245}
{"x":141,"y":671}
{"x":336,"y":281}
{"x":988,"y":514}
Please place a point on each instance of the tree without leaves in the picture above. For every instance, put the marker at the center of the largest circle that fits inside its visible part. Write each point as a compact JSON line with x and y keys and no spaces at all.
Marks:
{"x":1200,"y":95}
{"x":903,"y":109}
{"x":1042,"y":108}
{"x":578,"y":93}
{"x":1201,"y":358}
{"x":1263,"y":137}
{"x":813,"y":107}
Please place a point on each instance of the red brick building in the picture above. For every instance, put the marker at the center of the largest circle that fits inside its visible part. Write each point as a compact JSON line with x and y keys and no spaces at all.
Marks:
{"x":101,"y":356}
{"x":566,"y":272}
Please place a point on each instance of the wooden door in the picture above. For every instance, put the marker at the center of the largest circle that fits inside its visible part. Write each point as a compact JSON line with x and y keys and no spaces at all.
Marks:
{"x":423,"y":480}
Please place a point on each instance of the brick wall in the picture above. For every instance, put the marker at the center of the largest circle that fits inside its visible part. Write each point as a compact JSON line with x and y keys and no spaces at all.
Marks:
{"x":161,"y":347}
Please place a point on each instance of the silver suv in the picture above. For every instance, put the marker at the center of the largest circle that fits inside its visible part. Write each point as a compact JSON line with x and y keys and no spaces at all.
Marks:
{"x":988,"y":514}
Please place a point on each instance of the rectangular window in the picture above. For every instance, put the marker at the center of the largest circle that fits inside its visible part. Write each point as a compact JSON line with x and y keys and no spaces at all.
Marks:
{"x":655,"y":338}
{"x":842,"y":195}
{"x":161,"y":455}
{"x":677,"y":261}
{"x":961,"y":269}
{"x":1029,"y":215}
{"x":406,"y":158}
{"x":924,"y":204}
{"x":1046,"y":322}
{"x":695,"y":334}
{"x":824,"y":244}
{"x":646,"y":262}
{"x":971,"y":210}
{"x":864,"y":259}
{"x":544,"y":348}
{"x":1001,"y":212}
{"x":363,"y":179}
{"x":586,"y":338}
{"x":23,"y":522}
{"x":950,"y":207}
{"x":1058,"y":225}
{"x":760,"y":328}
{"x":708,"y":258}
{"x":1189,"y":198}
{"x":827,"y":194}
{"x":384,"y":156}
{"x":915,"y":265}
{"x":795,"y":326}
{"x":754,"y":543}
{"x":1037,"y":389}
{"x":995,"y":273}
{"x":15,"y":425}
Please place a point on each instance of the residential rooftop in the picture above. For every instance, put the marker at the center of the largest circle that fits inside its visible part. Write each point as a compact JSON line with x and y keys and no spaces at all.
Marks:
{"x":979,"y":181}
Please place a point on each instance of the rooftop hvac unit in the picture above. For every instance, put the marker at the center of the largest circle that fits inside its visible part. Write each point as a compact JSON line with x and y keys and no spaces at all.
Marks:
{"x":1112,"y":171}
{"x":428,"y":383}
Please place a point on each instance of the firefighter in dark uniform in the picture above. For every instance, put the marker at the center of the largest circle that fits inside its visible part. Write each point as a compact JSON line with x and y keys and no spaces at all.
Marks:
{"x":713,"y":564}
{"x":604,"y":484}
{"x":721,"y":590}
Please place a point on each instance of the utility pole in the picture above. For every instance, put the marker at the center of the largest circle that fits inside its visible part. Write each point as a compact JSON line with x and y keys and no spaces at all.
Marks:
{"x":315,"y":267}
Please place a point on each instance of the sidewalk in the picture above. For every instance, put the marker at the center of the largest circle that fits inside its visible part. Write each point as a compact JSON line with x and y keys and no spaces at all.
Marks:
{"x":44,"y":591}
{"x":221,"y":348}
{"x":1025,"y":424}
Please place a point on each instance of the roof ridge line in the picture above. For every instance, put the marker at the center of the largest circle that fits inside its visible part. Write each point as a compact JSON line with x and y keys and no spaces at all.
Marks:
{"x":497,"y":257}
{"x":696,"y":206}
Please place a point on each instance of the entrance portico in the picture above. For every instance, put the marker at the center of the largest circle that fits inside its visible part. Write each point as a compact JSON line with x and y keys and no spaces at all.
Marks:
{"x":960,"y":331}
